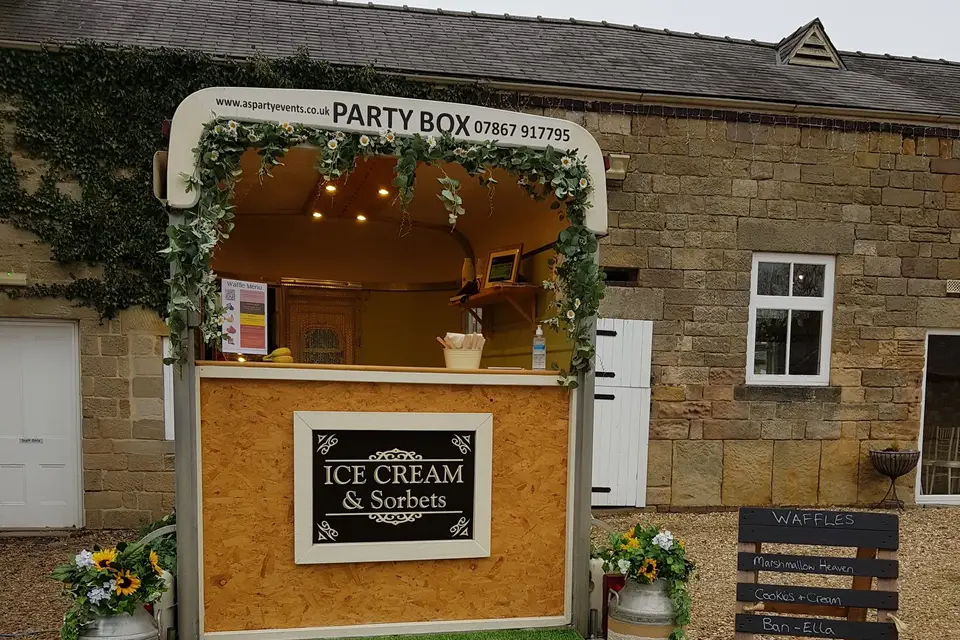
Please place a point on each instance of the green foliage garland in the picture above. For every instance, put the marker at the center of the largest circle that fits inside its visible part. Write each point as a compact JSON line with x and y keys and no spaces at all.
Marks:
{"x":577,"y":282}
{"x":93,"y":113}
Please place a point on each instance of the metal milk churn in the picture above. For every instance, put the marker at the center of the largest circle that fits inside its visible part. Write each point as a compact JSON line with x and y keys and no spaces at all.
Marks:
{"x":138,"y":626}
{"x":641,"y":612}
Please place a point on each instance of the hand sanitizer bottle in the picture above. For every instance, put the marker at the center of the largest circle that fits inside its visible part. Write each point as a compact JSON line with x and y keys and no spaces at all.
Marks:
{"x":539,"y":350}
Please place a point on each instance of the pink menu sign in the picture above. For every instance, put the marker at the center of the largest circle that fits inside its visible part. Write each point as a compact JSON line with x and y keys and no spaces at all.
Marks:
{"x":244,"y":316}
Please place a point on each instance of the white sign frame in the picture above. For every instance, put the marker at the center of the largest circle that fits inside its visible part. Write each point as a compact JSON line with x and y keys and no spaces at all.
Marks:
{"x":318,"y":109}
{"x":307,"y":552}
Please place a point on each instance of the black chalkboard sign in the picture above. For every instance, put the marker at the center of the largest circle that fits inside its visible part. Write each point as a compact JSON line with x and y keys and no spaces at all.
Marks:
{"x":815,"y":627}
{"x":386,"y":486}
{"x":749,"y":592}
{"x":828,"y":528}
{"x":823,"y":565}
{"x":876,"y":537}
{"x":817,"y":519}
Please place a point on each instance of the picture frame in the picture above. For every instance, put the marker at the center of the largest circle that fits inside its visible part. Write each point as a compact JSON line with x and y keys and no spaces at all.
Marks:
{"x":502,"y":266}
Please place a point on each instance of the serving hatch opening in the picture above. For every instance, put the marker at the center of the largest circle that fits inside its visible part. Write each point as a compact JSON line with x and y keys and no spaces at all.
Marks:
{"x":351,"y":279}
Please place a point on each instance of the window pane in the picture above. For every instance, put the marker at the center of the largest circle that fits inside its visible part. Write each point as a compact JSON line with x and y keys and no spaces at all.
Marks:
{"x":773,"y":279}
{"x":770,"y":345}
{"x":805,"y":342}
{"x":808,"y":280}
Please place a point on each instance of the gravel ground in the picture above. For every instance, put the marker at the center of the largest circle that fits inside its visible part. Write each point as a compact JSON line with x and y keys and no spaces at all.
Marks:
{"x":29,"y":599}
{"x":929,"y":561}
{"x":929,"y":568}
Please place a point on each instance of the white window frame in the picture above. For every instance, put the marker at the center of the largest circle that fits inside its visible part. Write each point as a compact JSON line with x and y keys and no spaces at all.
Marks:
{"x":824,"y":304}
{"x":930,"y":498}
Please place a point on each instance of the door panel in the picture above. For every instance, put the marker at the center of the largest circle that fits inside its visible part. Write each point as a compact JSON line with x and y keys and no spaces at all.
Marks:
{"x":622,"y":411}
{"x":623,"y":353}
{"x":39,"y":425}
{"x":621,"y":421}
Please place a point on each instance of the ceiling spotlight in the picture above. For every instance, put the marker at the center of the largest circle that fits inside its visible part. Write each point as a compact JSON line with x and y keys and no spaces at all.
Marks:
{"x":383,"y":192}
{"x":331,"y":188}
{"x":317,"y":214}
{"x":361,"y":217}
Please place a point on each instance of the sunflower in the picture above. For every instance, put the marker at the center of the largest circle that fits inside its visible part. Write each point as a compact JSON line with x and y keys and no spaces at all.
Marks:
{"x":126,"y":583}
{"x":155,"y":563}
{"x":104,"y":558}
{"x":680,"y":543}
{"x":649,"y":569}
{"x":632,"y":543}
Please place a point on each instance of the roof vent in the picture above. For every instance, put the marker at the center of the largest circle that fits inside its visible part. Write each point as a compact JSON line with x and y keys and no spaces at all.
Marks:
{"x":809,"y":46}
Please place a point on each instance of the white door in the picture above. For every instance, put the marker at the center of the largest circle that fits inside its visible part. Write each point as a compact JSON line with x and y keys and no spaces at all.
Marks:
{"x":39,"y":425}
{"x":621,"y":412}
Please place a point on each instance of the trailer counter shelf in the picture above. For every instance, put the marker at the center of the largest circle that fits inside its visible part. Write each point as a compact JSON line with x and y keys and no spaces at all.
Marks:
{"x":385,"y":495}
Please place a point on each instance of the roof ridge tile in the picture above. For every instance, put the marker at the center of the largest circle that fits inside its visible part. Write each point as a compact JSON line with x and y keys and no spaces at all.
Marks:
{"x":512,"y":17}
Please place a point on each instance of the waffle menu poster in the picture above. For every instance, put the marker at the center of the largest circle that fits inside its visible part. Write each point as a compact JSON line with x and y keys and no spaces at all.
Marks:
{"x":244,"y":317}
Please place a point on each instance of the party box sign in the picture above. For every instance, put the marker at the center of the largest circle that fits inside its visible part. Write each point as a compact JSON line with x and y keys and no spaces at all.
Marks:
{"x":391,"y":486}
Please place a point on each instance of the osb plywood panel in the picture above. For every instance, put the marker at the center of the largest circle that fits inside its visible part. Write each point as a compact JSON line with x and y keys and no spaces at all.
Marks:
{"x":250,"y":580}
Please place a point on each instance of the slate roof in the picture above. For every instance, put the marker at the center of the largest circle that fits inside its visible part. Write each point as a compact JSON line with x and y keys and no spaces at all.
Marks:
{"x":541,"y":51}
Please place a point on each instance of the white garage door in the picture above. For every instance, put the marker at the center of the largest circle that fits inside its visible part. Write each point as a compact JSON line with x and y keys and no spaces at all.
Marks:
{"x":39,"y":425}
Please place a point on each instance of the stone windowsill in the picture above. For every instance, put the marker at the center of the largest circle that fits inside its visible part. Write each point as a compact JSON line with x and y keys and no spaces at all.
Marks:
{"x":767,"y":393}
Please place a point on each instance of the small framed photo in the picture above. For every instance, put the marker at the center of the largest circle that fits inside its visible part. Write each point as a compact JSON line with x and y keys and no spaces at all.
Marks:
{"x":502,"y":265}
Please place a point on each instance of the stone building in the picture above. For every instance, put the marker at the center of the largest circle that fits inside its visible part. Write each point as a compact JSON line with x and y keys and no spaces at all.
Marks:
{"x":749,"y":167}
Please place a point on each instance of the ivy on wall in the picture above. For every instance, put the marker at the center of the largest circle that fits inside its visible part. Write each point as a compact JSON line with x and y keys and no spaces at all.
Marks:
{"x":93,"y":114}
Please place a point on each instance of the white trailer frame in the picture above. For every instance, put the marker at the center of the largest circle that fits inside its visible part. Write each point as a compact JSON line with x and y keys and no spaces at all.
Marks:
{"x":324,"y":109}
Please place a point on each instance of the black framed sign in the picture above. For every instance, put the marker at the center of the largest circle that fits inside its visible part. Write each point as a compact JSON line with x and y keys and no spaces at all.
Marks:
{"x":391,"y":486}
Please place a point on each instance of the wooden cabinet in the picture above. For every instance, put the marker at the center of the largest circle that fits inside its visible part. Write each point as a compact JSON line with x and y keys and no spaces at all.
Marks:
{"x":319,"y":325}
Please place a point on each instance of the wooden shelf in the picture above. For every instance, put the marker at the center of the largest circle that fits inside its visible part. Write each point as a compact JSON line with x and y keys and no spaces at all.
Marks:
{"x":521,"y":296}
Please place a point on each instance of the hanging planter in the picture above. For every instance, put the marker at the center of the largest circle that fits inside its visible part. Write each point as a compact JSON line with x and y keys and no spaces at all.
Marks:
{"x":577,"y":282}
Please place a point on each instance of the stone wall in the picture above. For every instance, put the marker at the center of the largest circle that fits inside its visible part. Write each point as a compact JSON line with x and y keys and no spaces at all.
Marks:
{"x":127,"y":464}
{"x":699,"y":198}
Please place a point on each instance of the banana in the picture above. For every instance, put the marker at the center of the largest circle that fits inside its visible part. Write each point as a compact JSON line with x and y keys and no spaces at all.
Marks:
{"x":278,"y":353}
{"x":282,"y":359}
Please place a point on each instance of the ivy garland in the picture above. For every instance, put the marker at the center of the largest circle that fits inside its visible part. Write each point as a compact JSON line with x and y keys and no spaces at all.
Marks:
{"x":92,"y":114}
{"x":577,"y":282}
